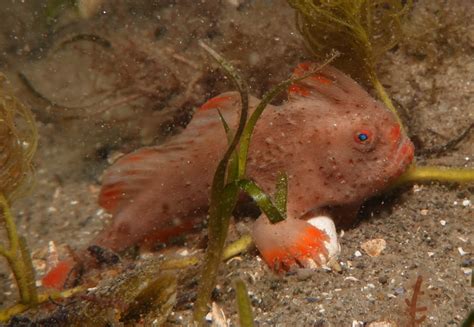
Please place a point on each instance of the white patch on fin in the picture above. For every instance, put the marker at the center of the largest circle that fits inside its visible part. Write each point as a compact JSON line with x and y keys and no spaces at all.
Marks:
{"x":326,"y":224}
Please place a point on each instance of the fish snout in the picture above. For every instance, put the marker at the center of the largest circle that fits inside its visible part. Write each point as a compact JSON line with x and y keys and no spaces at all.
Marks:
{"x":404,"y":156}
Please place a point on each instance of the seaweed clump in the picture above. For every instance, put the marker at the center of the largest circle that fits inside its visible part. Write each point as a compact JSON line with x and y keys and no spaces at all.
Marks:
{"x":361,"y":31}
{"x":18,"y":140}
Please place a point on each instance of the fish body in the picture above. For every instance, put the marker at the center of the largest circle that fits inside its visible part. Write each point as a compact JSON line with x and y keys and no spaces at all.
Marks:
{"x":337,"y":145}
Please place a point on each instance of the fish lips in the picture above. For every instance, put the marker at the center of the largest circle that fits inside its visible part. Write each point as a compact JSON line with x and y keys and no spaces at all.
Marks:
{"x":403,"y":158}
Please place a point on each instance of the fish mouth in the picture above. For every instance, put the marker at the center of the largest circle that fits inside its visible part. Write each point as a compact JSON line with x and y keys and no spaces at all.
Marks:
{"x":403,"y":157}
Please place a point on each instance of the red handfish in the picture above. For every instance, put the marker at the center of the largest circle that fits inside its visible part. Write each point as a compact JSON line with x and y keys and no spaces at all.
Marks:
{"x":337,"y":145}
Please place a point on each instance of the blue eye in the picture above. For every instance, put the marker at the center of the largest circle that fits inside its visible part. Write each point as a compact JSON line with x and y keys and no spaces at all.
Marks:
{"x":362,"y":137}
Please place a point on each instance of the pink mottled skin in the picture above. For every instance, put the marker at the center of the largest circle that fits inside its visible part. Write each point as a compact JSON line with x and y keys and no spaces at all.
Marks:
{"x":337,"y":145}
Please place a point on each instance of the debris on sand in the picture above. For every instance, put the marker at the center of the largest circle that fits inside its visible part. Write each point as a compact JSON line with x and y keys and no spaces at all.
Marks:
{"x":374,"y":247}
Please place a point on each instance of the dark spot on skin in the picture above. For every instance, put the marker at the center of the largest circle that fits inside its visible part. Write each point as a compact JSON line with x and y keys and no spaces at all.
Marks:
{"x":165,"y":207}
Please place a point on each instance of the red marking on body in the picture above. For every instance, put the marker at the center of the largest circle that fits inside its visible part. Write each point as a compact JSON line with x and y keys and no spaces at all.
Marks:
{"x":216,"y":102}
{"x":110,"y":195}
{"x":321,"y":79}
{"x":138,"y":156}
{"x":56,"y":278}
{"x":405,"y":155}
{"x":300,"y":70}
{"x":133,"y":158}
{"x":395,"y":133}
{"x":304,"y":68}
{"x":308,"y":246}
{"x":133,"y":172}
{"x":164,"y":235}
{"x":407,"y":151}
{"x":299,"y":90}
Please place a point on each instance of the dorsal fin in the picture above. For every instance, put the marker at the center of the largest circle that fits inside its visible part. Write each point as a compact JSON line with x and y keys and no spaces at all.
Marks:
{"x":229,"y":106}
{"x":327,"y":83}
{"x":227,"y":103}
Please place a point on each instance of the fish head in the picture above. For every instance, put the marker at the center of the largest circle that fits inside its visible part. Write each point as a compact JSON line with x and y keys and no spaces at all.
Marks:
{"x":365,"y":152}
{"x":358,"y":146}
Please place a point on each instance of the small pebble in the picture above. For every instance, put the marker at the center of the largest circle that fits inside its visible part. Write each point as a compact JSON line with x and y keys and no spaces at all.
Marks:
{"x":399,"y":291}
{"x":360,"y":265}
{"x":466,"y":202}
{"x":304,"y":273}
{"x":383,"y":279}
{"x":351,"y":278}
{"x":467,"y":262}
{"x":413,"y":266}
{"x":312,"y":299}
{"x":442,"y":222}
{"x":374,"y":247}
{"x":357,"y":254}
{"x":384,"y":323}
{"x":52,"y":209}
{"x":461,"y":251}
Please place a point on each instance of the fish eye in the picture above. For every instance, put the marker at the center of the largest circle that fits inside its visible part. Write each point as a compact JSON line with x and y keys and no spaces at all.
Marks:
{"x":363,"y":136}
{"x":364,"y":139}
